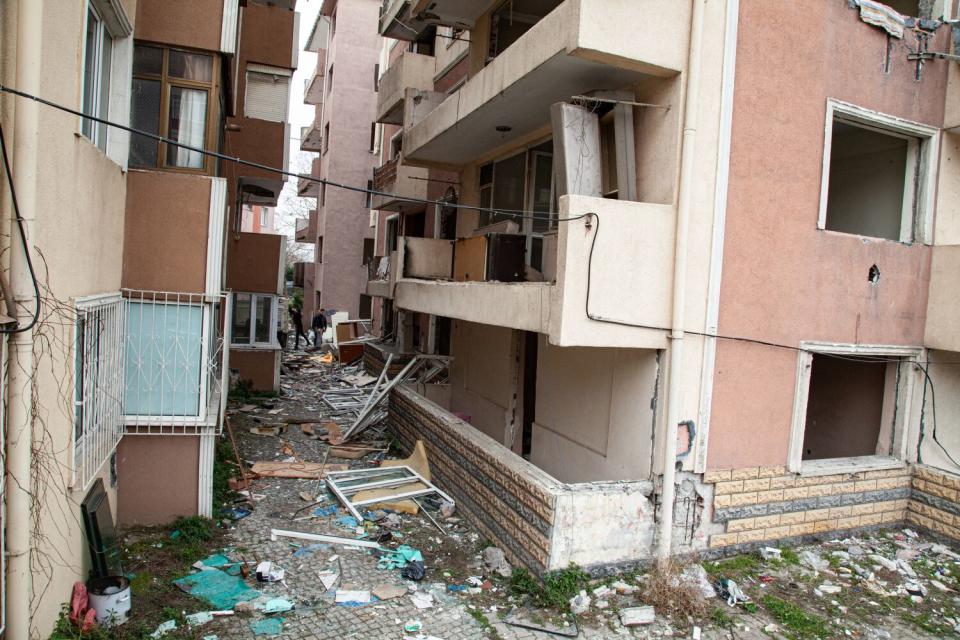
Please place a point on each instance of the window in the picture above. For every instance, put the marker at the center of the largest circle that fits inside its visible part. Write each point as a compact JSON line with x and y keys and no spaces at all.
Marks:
{"x":263,"y":217}
{"x":373,"y":136}
{"x":268,"y":93}
{"x":452,"y":35}
{"x":608,"y":157}
{"x":367,"y":250}
{"x":323,"y":193}
{"x":369,"y":201}
{"x":172,"y":97}
{"x":97,"y":385}
{"x":877,"y":176}
{"x":97,"y":57}
{"x":254,"y":316}
{"x":852,"y":406}
{"x":366,"y":306}
{"x":376,"y":77}
{"x":326,"y":137}
{"x":391,"y":232}
{"x":319,"y":249}
{"x":513,"y":19}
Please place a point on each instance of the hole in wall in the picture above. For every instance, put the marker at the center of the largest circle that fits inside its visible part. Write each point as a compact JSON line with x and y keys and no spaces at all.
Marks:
{"x":873,"y":274}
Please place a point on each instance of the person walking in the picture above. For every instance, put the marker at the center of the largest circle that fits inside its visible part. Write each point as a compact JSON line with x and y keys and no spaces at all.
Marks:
{"x":319,"y":326}
{"x":296,"y":316}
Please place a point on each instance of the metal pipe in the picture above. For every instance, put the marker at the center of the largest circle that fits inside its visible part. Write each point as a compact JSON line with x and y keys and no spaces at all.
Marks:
{"x":687,"y":156}
{"x":19,"y":522}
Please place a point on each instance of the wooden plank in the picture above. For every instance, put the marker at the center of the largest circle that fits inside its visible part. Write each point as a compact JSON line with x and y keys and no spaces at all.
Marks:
{"x":470,"y":259}
{"x":308,"y":470}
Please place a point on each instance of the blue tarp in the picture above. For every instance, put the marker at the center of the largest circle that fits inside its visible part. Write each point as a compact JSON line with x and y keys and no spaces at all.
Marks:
{"x":220,"y":590}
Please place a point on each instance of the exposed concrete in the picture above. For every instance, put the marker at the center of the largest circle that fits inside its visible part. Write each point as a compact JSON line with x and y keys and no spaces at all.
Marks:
{"x":427,"y":258}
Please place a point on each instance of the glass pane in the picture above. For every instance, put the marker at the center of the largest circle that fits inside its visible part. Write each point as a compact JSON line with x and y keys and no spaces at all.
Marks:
{"x":241,"y":318}
{"x":103,"y":108}
{"x":147,"y":60}
{"x":508,"y":185}
{"x":163,"y":362}
{"x":542,"y":191}
{"x":263,"y":320}
{"x":144,"y":115}
{"x":187,"y":124}
{"x":190,"y":66}
{"x":90,"y":72}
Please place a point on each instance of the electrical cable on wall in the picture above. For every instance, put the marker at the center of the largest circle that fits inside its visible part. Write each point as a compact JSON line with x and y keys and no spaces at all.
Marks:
{"x":23,"y":242}
{"x":512,"y":213}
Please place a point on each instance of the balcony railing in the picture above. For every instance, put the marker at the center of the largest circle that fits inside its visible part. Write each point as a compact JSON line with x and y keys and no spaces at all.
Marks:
{"x":386,"y":174}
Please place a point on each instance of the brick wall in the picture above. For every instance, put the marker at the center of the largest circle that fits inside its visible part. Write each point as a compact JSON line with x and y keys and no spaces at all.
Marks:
{"x":934,"y":502}
{"x":756,"y":504}
{"x":375,"y":357}
{"x":509,"y":500}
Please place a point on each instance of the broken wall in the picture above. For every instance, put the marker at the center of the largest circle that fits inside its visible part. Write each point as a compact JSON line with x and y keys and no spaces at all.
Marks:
{"x":594,"y":416}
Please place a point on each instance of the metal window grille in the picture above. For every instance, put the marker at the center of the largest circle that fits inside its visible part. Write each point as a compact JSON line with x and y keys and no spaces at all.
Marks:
{"x":98,"y":385}
{"x":174,"y":365}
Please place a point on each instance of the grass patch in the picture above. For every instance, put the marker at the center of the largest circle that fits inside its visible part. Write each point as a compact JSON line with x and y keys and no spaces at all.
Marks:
{"x":734,"y":567}
{"x":797,"y":623}
{"x":789,"y":556}
{"x":223,"y":469}
{"x":721,"y":618}
{"x":482,"y":620}
{"x":927,"y":622}
{"x":672,"y":595}
{"x":555,"y":591}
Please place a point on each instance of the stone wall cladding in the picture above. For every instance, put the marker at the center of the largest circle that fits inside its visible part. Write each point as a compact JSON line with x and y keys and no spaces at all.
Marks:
{"x":935,"y":502}
{"x":374,"y":359}
{"x":512,"y":509}
{"x":758,"y":504}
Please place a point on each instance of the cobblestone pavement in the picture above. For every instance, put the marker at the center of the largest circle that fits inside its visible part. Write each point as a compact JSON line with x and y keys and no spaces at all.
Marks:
{"x":450,"y":558}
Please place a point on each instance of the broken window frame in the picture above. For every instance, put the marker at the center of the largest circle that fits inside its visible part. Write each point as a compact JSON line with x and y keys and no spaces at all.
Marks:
{"x":256,"y":299}
{"x":917,"y":218}
{"x":905,"y":416}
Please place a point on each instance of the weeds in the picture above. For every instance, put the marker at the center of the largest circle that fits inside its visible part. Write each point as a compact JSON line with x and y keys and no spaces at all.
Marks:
{"x":721,"y":618}
{"x":799,"y":624}
{"x":789,"y":556}
{"x":670,"y":593}
{"x":557,"y":589}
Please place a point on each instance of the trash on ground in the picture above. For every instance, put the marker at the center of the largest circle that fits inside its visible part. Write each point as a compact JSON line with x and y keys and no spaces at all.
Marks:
{"x":388,"y":591}
{"x":352,"y":596}
{"x":634,"y":616}
{"x":267,"y":626}
{"x":534,"y":621}
{"x":220,"y":590}
{"x":580,"y":603}
{"x":319,"y":537}
{"x":164,"y":628}
{"x":496,"y":561}
{"x":422,"y":600}
{"x":269,"y":572}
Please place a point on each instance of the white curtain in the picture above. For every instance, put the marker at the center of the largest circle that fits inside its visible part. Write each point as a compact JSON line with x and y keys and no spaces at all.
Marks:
{"x":193,"y":112}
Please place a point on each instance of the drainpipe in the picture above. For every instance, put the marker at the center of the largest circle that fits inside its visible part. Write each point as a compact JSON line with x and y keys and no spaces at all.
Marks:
{"x":19,"y":523}
{"x":687,"y":152}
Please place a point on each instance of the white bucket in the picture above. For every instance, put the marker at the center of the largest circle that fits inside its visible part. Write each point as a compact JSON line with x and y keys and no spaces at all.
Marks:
{"x":110,"y":598}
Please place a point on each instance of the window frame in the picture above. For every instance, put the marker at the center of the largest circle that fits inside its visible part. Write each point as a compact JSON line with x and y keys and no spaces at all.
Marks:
{"x":903,"y":425}
{"x":101,"y":75}
{"x":255,"y":299}
{"x":920,"y":228}
{"x":166,"y":83}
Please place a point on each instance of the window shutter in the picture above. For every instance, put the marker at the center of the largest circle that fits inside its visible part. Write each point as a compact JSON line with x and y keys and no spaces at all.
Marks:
{"x":267,"y":96}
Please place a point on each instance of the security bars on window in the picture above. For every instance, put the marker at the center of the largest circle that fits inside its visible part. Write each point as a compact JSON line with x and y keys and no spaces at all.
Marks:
{"x":174,"y":362}
{"x":98,"y":384}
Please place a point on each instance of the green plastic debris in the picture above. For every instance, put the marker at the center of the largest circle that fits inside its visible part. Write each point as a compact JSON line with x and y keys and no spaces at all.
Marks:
{"x":267,"y":627}
{"x":216,"y":560}
{"x":399,"y":558}
{"x":276,"y":605}
{"x":220,"y":590}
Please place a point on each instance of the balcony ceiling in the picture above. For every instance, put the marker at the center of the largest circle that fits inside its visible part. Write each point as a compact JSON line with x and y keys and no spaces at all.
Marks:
{"x":524,"y":106}
{"x":463,"y":13}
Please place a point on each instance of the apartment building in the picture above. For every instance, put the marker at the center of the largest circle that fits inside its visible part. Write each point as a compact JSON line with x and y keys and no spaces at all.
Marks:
{"x":258,"y":219}
{"x":114,"y":397}
{"x":695,"y":264}
{"x":343,"y":89}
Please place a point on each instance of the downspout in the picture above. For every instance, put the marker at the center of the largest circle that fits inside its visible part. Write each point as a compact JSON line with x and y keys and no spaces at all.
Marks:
{"x":687,"y":157}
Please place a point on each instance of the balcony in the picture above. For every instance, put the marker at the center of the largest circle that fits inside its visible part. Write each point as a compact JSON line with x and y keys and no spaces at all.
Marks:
{"x":409,"y":71}
{"x":319,"y":35}
{"x":306,"y":229}
{"x":436,"y":280}
{"x":400,"y":180}
{"x":579,"y":47}
{"x":397,"y":22}
{"x":311,"y":137}
{"x":943,"y":303}
{"x":313,"y":86}
{"x":380,"y":278}
{"x":310,"y":188}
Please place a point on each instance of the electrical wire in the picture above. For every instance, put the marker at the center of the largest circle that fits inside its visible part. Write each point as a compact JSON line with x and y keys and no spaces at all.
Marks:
{"x":511,"y":213}
{"x":23,"y":241}
{"x":933,"y":410}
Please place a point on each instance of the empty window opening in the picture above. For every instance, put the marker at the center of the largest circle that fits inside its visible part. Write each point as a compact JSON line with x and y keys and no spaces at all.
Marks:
{"x":366,"y":306}
{"x":873,"y":275}
{"x":368,"y":250}
{"x":848,"y":403}
{"x":909,"y":8}
{"x":514,"y":18}
{"x":872,"y":181}
{"x":608,"y":157}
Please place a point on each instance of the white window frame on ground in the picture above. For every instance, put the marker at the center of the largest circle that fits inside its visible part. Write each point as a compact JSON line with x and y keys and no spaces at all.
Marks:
{"x":256,"y":299}
{"x":98,"y":379}
{"x":904,"y":419}
{"x":918,"y":198}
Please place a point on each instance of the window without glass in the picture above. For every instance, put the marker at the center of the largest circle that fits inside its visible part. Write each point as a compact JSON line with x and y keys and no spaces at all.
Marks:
{"x":608,"y":157}
{"x":97,"y":55}
{"x":172,"y":94}
{"x":254,"y":315}
{"x":513,"y":19}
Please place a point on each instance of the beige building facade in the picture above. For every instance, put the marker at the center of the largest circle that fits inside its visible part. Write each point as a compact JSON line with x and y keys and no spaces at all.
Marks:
{"x":667,"y":277}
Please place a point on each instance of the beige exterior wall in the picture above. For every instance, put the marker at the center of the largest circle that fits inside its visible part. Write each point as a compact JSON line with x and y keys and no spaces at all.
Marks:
{"x":78,"y":236}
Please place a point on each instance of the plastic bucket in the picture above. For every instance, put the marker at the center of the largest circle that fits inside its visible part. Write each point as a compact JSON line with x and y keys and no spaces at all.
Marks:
{"x":110,"y":598}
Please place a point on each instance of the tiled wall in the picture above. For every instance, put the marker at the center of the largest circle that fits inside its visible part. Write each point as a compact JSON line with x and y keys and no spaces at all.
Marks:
{"x":511,"y":502}
{"x":757,"y":504}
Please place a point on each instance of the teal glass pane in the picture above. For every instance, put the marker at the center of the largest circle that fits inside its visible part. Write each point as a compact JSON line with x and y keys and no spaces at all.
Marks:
{"x":163,"y":359}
